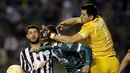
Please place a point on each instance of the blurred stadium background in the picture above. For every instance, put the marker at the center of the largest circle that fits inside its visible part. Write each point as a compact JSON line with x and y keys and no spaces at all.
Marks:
{"x":16,"y":15}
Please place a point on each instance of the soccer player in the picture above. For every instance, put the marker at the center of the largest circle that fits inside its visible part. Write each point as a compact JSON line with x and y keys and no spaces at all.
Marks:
{"x":95,"y":34}
{"x":31,"y":60}
{"x":76,"y":58}
{"x":124,"y":62}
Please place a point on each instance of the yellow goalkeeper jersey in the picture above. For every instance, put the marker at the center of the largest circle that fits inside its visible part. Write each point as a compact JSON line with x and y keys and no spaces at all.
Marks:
{"x":98,"y":38}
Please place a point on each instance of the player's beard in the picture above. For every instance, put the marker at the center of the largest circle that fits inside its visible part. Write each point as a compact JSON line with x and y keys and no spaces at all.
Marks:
{"x":34,"y":42}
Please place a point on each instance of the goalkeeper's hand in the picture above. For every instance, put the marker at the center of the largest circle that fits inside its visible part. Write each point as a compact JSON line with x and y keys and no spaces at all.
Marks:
{"x":60,"y":27}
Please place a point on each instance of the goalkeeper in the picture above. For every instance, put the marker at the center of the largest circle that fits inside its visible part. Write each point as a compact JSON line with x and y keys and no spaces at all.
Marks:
{"x":75,"y":57}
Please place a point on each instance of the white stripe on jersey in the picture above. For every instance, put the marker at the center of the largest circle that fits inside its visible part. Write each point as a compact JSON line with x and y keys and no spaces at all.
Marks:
{"x":42,"y":59}
{"x":28,"y":57}
{"x":79,"y":48}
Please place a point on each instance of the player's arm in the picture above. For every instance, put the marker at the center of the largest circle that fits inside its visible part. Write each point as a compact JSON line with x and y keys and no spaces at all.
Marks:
{"x":82,"y":34}
{"x":87,"y":54}
{"x":68,"y":47}
{"x":87,"y":57}
{"x":72,"y":21}
{"x":124,"y":62}
{"x":67,"y":39}
{"x":86,"y":66}
{"x":23,"y":63}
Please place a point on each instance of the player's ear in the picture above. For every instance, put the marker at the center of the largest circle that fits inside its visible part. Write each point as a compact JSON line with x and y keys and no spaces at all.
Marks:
{"x":91,"y":17}
{"x":27,"y":36}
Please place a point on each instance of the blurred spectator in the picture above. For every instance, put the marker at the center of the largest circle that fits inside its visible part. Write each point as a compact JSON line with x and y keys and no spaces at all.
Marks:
{"x":3,"y":57}
{"x":11,"y":45}
{"x":2,"y":11}
{"x":13,"y":2}
{"x":3,"y":60}
{"x":101,"y":4}
{"x":120,"y":5}
{"x":13,"y":16}
{"x":66,"y":11}
{"x":1,"y":41}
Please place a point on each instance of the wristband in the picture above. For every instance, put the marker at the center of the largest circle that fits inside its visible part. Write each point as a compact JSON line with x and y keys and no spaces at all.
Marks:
{"x":52,"y":36}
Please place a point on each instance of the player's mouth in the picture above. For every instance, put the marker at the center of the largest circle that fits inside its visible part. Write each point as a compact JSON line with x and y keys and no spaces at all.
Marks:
{"x":33,"y":38}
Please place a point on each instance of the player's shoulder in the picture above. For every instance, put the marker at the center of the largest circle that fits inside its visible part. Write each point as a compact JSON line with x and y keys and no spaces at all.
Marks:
{"x":87,"y":24}
{"x":98,"y":20}
{"x":24,"y":49}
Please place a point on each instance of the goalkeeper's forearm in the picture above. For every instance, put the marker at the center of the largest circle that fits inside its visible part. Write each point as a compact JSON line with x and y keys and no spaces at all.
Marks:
{"x":73,"y":21}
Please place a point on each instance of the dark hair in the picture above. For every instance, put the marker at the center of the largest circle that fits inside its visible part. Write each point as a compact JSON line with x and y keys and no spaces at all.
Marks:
{"x":90,"y":9}
{"x":32,"y":26}
{"x":51,"y":28}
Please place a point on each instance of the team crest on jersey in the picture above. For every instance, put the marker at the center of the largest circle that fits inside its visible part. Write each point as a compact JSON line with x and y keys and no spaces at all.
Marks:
{"x":69,"y":45}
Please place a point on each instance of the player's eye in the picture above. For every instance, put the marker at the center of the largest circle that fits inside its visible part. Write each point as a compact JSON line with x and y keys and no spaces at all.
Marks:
{"x":29,"y":32}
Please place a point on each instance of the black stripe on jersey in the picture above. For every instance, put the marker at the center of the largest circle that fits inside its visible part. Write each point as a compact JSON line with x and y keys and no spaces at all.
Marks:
{"x":52,"y":71}
{"x":38,"y":71}
{"x":27,"y":67}
{"x":50,"y":57}
{"x":32,"y":59}
{"x":22,"y":60}
{"x":45,"y":64}
{"x":26,"y":58}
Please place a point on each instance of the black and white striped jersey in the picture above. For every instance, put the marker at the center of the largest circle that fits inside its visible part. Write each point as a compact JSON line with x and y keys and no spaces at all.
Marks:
{"x":27,"y":58}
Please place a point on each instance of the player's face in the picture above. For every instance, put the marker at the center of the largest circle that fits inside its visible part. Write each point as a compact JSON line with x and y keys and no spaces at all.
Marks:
{"x":33,"y":35}
{"x":84,"y":16}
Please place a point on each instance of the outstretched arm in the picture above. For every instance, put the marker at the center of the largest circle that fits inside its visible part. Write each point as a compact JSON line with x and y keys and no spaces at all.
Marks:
{"x":72,"y":21}
{"x":67,"y":39}
{"x":87,"y":58}
{"x":124,"y":62}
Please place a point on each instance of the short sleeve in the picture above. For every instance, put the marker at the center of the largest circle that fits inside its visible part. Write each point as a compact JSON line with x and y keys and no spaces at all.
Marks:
{"x":86,"y":30}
